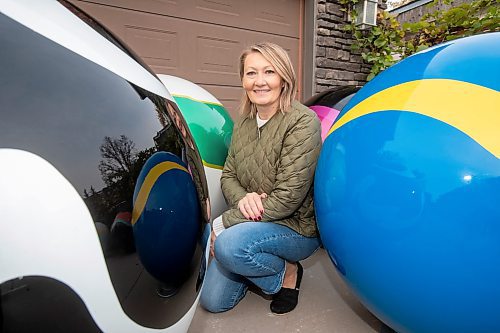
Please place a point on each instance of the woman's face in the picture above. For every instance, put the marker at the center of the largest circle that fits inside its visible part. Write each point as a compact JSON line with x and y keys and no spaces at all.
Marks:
{"x":261,"y":81}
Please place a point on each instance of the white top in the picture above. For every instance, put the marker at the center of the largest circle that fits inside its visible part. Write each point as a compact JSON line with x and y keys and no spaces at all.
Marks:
{"x":218,"y":226}
{"x":260,"y":122}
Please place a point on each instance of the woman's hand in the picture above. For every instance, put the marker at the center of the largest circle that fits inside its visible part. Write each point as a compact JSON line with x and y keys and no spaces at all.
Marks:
{"x":212,"y":242}
{"x":209,"y":209}
{"x":251,"y":206}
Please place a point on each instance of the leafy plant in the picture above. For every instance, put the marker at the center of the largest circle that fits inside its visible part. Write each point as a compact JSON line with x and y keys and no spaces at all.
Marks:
{"x":388,"y":42}
{"x":460,"y":21}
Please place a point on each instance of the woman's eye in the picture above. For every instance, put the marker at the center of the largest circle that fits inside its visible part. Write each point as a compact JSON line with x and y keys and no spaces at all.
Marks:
{"x":269,"y":71}
{"x":250,"y":73}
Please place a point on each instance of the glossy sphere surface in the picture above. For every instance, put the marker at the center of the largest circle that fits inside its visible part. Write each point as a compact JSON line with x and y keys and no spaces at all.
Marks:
{"x":166,"y":218}
{"x":407,"y":190}
{"x":326,"y":116}
{"x":328,"y":104}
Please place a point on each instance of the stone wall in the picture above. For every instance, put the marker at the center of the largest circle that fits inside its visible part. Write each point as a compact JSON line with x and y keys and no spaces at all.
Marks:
{"x":335,"y":63}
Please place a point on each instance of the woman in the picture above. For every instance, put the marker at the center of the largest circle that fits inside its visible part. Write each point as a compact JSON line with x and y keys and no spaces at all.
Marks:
{"x":267,"y":181}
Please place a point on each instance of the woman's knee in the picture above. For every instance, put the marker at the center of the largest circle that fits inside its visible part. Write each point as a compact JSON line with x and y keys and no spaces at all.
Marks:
{"x":221,"y":290}
{"x":219,"y":300}
{"x":210,"y":302}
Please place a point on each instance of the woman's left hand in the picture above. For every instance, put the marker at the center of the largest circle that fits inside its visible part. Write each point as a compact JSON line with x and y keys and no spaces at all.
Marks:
{"x":251,"y":206}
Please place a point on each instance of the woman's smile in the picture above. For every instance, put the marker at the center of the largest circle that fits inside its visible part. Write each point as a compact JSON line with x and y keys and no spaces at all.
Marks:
{"x":261,"y":91}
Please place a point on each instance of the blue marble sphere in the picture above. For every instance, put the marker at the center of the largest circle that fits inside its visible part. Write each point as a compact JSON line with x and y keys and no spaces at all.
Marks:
{"x":407,"y":190}
{"x":166,"y":218}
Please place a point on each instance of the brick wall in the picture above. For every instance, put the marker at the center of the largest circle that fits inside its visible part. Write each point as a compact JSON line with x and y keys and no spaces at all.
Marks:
{"x":335,"y":63}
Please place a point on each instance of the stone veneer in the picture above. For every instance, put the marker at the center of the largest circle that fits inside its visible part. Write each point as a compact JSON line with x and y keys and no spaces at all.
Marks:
{"x":335,"y":63}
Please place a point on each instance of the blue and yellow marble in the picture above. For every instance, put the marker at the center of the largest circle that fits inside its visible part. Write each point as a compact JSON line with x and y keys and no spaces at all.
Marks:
{"x":407,"y":190}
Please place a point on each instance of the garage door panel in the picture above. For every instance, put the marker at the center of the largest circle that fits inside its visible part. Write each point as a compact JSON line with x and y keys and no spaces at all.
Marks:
{"x":216,"y":57}
{"x":196,"y":51}
{"x":272,"y":15}
{"x":171,"y":45}
{"x":276,"y":16}
{"x":219,"y":63}
{"x":220,"y":7}
{"x":163,"y":57}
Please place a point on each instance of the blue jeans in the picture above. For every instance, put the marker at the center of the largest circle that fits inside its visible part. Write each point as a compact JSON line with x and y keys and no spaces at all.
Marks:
{"x":251,"y":252}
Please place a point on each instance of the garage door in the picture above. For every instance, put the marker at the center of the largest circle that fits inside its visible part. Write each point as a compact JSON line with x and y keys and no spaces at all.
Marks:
{"x":201,"y":40}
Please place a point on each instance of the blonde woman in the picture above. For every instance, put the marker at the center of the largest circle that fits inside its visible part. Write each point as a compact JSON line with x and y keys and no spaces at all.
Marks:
{"x":268,"y":183}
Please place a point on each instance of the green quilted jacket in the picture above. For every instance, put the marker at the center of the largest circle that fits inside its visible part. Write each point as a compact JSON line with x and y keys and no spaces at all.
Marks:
{"x":278,"y":159}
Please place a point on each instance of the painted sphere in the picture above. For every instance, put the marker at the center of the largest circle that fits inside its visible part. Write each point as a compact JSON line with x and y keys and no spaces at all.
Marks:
{"x":211,"y":127}
{"x":407,"y":190}
{"x":166,"y":218}
{"x":328,"y":104}
{"x":327,"y":116}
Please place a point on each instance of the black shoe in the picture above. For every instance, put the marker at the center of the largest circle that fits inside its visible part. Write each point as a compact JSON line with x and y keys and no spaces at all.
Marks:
{"x":286,"y":299}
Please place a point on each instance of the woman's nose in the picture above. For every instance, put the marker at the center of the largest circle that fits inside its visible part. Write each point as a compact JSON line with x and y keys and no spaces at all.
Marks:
{"x":260,"y":80}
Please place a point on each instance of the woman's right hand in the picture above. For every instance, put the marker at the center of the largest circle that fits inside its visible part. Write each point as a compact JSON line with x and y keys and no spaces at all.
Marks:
{"x":251,"y":206}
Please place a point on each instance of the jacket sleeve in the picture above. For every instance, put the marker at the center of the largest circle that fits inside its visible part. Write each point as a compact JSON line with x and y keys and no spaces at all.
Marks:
{"x":295,"y":174}
{"x":231,"y":187}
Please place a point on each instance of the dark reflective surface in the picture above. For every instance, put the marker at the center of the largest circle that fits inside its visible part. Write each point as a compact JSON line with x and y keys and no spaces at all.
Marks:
{"x":98,"y":130}
{"x":335,"y":98}
{"x":38,"y":304}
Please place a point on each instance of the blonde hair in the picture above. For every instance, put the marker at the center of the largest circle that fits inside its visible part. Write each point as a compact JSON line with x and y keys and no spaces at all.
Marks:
{"x":281,"y":62}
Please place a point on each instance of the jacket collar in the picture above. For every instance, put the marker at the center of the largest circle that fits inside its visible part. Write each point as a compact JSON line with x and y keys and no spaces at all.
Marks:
{"x":279,"y":113}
